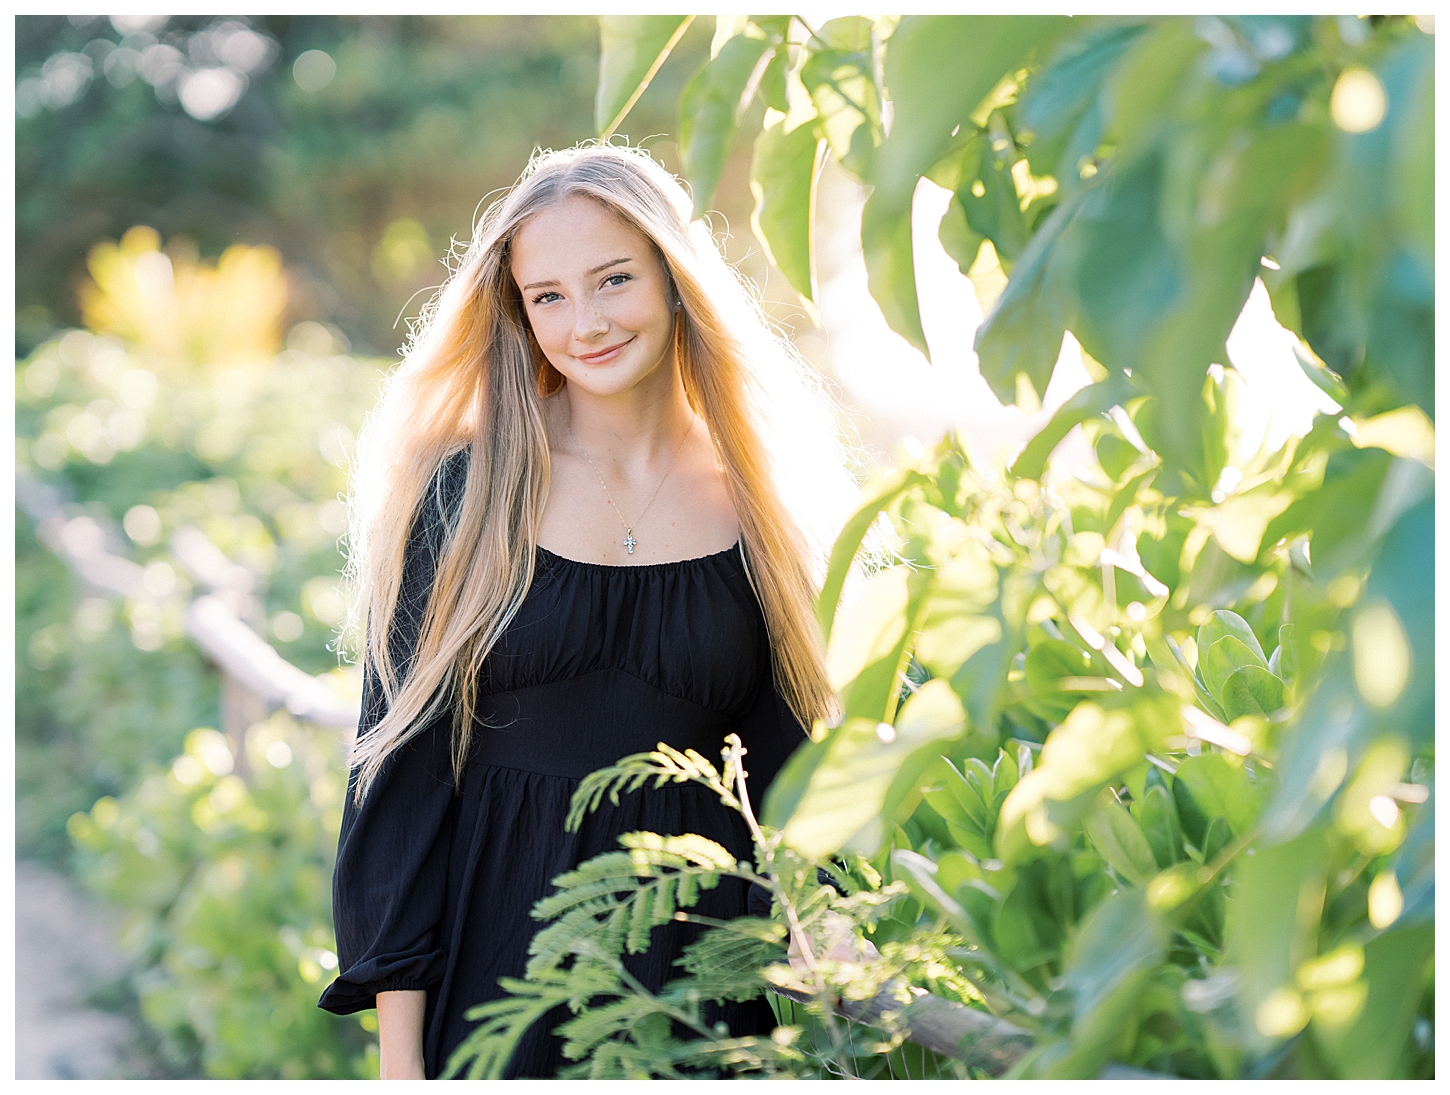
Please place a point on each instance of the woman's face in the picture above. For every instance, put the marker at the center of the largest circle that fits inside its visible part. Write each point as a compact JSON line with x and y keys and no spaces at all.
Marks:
{"x":597,"y":296}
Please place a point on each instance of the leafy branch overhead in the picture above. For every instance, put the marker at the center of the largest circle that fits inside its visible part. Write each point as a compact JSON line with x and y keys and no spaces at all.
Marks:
{"x":1132,"y":176}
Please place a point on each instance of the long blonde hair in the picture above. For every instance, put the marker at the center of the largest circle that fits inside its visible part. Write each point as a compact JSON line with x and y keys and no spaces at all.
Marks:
{"x":471,"y":378}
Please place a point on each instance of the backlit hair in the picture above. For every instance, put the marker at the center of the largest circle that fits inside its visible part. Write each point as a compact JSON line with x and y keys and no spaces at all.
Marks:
{"x":470,"y":377}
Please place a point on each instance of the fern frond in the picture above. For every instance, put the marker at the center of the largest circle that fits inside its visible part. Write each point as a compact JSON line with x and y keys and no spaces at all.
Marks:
{"x":603,"y":1022}
{"x":664,"y":764}
{"x":651,"y":849}
{"x":640,"y":920}
{"x":725,"y":962}
{"x":492,"y":1042}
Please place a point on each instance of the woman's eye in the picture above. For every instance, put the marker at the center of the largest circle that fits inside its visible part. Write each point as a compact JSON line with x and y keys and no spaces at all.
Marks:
{"x":617,"y":279}
{"x":545,"y":297}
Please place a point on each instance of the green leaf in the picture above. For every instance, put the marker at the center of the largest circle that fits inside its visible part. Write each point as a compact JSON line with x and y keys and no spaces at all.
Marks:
{"x":1091,"y":748}
{"x":1220,"y":789}
{"x":1224,"y":623}
{"x":1157,"y":815}
{"x":1238,"y":522}
{"x":1252,"y":691}
{"x":710,"y":110}
{"x":1089,"y":402}
{"x":1127,"y":495}
{"x":864,"y":657}
{"x":1225,"y":657}
{"x":1274,"y":921}
{"x":931,"y":714}
{"x":1025,"y":933}
{"x":1371,"y":1045}
{"x":842,"y":86}
{"x":847,"y":789}
{"x":1022,"y":335}
{"x":890,"y":264}
{"x":773,"y":86}
{"x":952,"y":632}
{"x":1062,"y":108}
{"x":1121,"y":843}
{"x":1047,"y":664}
{"x":1119,"y":941}
{"x":1115,"y":455}
{"x":996,"y":212}
{"x":921,"y":877}
{"x":790,"y":783}
{"x":1321,"y":376}
{"x":957,"y":238}
{"x":849,"y":541}
{"x":631,"y":50}
{"x":1216,"y":838}
{"x":978,"y":51}
{"x":782,"y":178}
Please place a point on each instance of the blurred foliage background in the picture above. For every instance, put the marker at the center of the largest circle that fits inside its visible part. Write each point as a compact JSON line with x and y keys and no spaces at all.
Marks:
{"x":356,"y":146}
{"x":223,"y":225}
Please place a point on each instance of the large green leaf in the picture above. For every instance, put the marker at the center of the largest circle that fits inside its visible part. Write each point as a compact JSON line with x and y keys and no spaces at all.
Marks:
{"x":847,"y":789}
{"x":710,"y":109}
{"x":978,"y":51}
{"x":1022,"y":335}
{"x":1095,"y":399}
{"x":1063,"y":109}
{"x":1220,"y":789}
{"x":1118,"y":942}
{"x":631,"y":50}
{"x":842,"y":84}
{"x":891,"y":264}
{"x":1370,"y":1046}
{"x":1273,"y":927}
{"x":1121,"y":843}
{"x":848,"y":543}
{"x":1092,"y":747}
{"x":782,"y":178}
{"x":1252,"y":691}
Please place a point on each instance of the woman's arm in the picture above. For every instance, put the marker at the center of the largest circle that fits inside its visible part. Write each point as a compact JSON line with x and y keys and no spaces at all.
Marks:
{"x":400,"y":1034}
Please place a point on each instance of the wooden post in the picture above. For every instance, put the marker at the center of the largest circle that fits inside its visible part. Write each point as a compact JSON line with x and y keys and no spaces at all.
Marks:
{"x":241,"y":709}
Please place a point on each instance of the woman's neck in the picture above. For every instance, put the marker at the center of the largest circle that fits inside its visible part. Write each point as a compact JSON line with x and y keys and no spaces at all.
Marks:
{"x":625,"y":434}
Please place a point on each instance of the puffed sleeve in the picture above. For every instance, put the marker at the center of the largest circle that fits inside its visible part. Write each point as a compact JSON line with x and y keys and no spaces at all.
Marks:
{"x":388,"y":887}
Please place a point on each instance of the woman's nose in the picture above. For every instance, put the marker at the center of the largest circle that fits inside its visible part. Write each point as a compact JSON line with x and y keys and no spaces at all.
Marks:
{"x":589,"y":321}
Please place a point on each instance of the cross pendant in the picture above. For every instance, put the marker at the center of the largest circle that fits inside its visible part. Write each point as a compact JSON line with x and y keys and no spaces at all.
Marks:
{"x":629,"y":540}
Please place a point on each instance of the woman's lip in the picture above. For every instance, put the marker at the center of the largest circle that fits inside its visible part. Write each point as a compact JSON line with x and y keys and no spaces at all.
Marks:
{"x":603,"y":355}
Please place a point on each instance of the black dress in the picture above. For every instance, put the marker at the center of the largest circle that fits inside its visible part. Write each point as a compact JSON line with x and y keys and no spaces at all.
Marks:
{"x":433,"y":886}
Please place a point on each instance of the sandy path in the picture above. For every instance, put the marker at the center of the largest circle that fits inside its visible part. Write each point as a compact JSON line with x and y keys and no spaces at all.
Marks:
{"x":64,"y":950}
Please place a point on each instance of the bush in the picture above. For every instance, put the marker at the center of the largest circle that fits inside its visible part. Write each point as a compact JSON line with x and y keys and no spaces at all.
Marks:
{"x":155,"y":420}
{"x":225,"y":884}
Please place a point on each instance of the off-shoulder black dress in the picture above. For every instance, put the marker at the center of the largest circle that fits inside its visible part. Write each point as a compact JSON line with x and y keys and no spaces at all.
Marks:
{"x":433,"y":885}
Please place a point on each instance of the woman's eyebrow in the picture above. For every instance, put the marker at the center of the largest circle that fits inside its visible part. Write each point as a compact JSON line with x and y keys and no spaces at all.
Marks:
{"x":597,"y":269}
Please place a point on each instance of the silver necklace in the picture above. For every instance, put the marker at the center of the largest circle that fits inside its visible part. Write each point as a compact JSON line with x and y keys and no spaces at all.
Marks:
{"x":629,"y":541}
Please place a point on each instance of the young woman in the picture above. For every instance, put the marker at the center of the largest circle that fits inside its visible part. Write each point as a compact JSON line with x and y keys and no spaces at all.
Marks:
{"x":589,"y":515}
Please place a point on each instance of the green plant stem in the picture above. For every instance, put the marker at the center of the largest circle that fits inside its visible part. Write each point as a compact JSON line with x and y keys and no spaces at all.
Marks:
{"x":735,"y":752}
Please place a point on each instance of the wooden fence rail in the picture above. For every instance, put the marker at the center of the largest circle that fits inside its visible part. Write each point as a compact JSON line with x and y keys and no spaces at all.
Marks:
{"x":255,"y":678}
